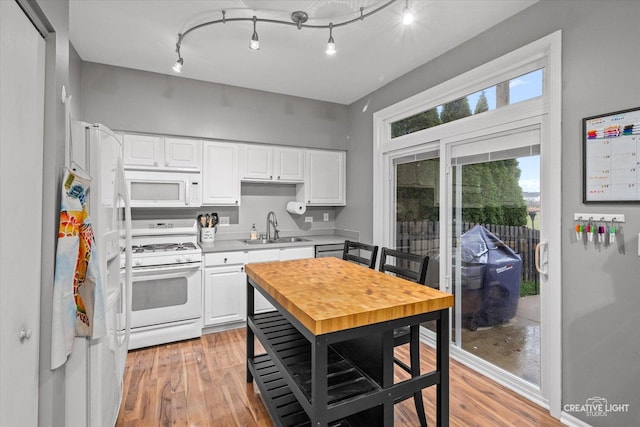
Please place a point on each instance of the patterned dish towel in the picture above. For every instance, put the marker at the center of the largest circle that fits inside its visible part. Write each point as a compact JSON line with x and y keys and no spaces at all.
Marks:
{"x":78,"y":303}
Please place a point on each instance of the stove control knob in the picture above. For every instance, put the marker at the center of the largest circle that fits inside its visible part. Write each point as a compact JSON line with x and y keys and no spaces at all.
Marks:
{"x":138,"y":261}
{"x":178,"y":258}
{"x":189,"y":258}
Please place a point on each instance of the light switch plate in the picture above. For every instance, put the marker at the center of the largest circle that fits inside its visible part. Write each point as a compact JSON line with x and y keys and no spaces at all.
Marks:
{"x":308,"y":219}
{"x":224,"y":220}
{"x":325,"y":216}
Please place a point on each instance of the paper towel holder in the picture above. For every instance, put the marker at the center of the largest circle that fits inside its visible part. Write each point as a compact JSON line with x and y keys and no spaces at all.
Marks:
{"x":296,"y":208}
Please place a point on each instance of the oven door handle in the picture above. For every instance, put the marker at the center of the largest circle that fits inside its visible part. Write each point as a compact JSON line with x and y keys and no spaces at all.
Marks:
{"x":165,"y":270}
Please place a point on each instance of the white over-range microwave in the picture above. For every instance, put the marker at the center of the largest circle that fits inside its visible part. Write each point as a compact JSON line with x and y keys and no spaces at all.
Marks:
{"x":150,"y":189}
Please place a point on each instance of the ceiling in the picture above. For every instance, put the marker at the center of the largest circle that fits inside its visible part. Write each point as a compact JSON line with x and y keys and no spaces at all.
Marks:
{"x":142,"y":34}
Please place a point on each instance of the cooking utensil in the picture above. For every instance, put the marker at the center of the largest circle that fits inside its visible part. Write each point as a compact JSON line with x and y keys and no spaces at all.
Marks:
{"x":202,"y":220}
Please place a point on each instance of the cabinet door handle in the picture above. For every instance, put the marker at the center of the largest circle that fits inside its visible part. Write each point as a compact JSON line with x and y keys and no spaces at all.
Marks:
{"x":241,"y":268}
{"x":278,"y":176}
{"x":225,"y":260}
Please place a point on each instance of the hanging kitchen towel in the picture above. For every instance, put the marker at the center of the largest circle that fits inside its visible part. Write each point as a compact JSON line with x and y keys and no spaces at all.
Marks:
{"x":78,"y":304}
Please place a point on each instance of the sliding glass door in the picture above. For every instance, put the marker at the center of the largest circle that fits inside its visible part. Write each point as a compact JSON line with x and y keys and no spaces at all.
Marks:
{"x":494,"y":217}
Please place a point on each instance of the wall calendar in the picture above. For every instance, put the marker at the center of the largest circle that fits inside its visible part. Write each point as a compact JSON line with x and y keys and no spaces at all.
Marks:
{"x":611,"y":153}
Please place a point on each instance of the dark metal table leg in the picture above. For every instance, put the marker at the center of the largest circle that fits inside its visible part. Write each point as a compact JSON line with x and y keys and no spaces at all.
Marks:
{"x":442,"y":365}
{"x":387,"y":374}
{"x":250,"y":335}
{"x":319,"y":382}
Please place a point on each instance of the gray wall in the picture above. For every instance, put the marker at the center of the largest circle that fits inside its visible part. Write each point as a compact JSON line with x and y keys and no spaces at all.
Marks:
{"x":56,"y":13}
{"x":132,"y":100}
{"x":601,"y":293}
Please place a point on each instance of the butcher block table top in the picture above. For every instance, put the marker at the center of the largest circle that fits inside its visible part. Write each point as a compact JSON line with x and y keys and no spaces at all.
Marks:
{"x":329,"y":294}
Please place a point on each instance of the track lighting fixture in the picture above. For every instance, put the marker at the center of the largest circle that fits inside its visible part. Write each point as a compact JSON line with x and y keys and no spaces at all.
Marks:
{"x":298,"y":18}
{"x":255,"y":43}
{"x":331,"y":44}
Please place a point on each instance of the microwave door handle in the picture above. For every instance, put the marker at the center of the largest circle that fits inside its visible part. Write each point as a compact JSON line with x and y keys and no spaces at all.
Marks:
{"x":187,"y":189}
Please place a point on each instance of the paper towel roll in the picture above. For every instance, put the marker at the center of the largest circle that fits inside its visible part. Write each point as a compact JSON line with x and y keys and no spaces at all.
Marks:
{"x":296,"y":208}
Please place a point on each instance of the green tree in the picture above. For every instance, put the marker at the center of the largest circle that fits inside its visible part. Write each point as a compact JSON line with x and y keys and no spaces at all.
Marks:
{"x":455,"y":110}
{"x":417,"y":122}
{"x":482,"y":105}
{"x":491,"y":193}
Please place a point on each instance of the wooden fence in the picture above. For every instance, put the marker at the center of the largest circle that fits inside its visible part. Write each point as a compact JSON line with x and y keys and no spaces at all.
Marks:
{"x":423,"y":237}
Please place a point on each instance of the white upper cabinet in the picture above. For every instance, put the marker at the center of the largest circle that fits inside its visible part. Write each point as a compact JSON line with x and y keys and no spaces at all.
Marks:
{"x":325,"y":178}
{"x":274,"y":164}
{"x":220,"y":174}
{"x":257,"y":162}
{"x":288,"y":164}
{"x":143,"y":150}
{"x":150,"y":152}
{"x":182,"y":153}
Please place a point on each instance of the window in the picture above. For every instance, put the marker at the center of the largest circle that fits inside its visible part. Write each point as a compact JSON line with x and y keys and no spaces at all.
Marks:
{"x":509,"y":92}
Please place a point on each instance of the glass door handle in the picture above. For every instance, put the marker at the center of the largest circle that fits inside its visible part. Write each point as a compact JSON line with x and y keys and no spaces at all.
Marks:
{"x":542,"y":260}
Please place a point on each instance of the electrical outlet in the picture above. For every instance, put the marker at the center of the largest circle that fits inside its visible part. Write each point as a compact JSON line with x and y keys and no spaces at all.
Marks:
{"x":224,"y":220}
{"x":325,"y":216}
{"x":308,"y":219}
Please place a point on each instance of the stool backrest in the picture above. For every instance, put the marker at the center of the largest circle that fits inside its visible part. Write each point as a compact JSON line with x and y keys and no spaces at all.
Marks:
{"x":403,"y":264}
{"x":360,"y":253}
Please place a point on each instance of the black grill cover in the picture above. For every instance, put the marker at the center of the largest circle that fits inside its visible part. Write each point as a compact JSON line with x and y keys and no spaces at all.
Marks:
{"x":501,"y":275}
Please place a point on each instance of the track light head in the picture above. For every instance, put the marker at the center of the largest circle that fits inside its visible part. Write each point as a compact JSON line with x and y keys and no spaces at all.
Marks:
{"x":331,"y":44}
{"x":407,"y":16}
{"x":177,"y":67}
{"x":255,"y":42}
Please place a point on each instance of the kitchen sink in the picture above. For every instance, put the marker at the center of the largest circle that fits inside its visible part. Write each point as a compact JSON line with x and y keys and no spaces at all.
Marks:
{"x":290,"y":240}
{"x":280,"y":240}
{"x":259,"y":241}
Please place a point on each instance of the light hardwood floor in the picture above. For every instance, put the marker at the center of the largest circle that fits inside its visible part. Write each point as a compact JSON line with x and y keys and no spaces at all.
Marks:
{"x":201,"y":382}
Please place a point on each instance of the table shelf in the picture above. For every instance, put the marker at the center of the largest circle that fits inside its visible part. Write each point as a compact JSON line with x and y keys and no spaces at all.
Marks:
{"x":278,"y":397}
{"x":289,"y":354}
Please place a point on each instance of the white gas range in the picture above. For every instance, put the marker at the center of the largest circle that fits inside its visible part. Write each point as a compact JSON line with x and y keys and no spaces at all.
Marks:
{"x":166,"y":301}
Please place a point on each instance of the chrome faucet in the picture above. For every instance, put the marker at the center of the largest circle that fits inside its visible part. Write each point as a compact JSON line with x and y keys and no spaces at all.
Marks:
{"x":271,"y":219}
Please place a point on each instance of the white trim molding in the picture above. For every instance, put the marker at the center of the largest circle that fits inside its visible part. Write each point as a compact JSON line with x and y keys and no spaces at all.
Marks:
{"x":544,"y":113}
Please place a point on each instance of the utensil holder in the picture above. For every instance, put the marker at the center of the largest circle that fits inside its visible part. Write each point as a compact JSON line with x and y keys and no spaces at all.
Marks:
{"x":207,"y":235}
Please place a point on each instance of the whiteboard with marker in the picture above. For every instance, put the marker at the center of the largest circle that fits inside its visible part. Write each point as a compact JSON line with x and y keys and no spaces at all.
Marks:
{"x":612,"y":157}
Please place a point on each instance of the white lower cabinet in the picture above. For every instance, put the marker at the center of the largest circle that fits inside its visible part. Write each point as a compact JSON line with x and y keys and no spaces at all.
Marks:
{"x":297,"y":253}
{"x":260,"y":303}
{"x":225,"y":288}
{"x":225,"y":283}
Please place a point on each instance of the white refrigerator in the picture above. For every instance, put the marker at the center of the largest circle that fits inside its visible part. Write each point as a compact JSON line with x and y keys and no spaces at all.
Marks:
{"x":94,"y":371}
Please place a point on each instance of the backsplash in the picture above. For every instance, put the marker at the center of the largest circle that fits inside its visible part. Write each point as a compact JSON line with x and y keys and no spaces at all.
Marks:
{"x":257,"y":200}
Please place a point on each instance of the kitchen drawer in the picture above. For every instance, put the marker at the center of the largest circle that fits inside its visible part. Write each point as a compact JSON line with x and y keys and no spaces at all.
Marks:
{"x":225,"y":258}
